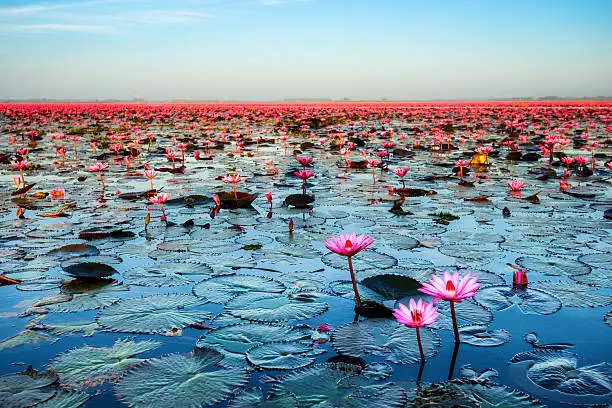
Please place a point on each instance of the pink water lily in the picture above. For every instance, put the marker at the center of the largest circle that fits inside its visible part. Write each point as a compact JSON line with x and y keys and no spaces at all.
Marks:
{"x":401,"y":173}
{"x":160,"y":199}
{"x":348,"y":245}
{"x":304,"y":175}
{"x":304,"y":160}
{"x":20,"y":165}
{"x":451,"y":288}
{"x":150,"y":174}
{"x":99,"y":168}
{"x":234,"y":179}
{"x":515,"y":185}
{"x":416,"y":315}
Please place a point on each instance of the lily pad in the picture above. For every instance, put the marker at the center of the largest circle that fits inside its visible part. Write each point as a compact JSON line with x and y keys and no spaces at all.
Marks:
{"x":554,"y":266}
{"x":272,"y":307}
{"x":529,"y":301}
{"x":234,"y":341}
{"x":280,"y":356}
{"x":169,"y":273}
{"x":253,"y":398}
{"x":89,"y":366}
{"x":152,"y":314}
{"x":325,"y":386}
{"x":573,"y":294}
{"x":182,"y":381}
{"x":385,"y":338}
{"x":558,"y":370}
{"x":477,"y":335}
{"x":25,"y":389}
{"x":223,"y":288}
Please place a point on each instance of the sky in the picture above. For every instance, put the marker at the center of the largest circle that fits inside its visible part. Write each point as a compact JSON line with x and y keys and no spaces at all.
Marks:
{"x":265,"y":50}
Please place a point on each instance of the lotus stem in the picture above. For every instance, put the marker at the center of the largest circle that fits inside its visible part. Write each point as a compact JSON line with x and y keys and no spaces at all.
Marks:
{"x":418,"y":333}
{"x":357,"y":298}
{"x":455,"y":328}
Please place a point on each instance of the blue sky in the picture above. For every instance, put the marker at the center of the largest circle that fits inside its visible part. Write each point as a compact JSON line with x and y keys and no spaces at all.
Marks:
{"x":275,"y":49}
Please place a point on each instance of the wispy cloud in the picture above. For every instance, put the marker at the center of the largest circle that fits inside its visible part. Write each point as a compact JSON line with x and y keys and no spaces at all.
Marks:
{"x":162,"y":17}
{"x":46,"y":28}
{"x":30,"y":9}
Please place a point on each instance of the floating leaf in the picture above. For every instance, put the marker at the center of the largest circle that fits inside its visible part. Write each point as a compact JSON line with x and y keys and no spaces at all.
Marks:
{"x":554,"y":266}
{"x":272,"y":307}
{"x":324,"y":386}
{"x":377,"y":371}
{"x":168,"y":273}
{"x":477,"y":335}
{"x":392,"y":287}
{"x":88,"y":270}
{"x":88,"y":366}
{"x":573,"y":294}
{"x":182,"y":381}
{"x":467,"y":312}
{"x":65,"y":399}
{"x":597,"y":260}
{"x":285,"y":254}
{"x":233,"y":341}
{"x":253,"y":398}
{"x":280,"y":356}
{"x":385,"y":338}
{"x":466,"y":393}
{"x":87,"y":328}
{"x":25,"y":389}
{"x":558,"y":370}
{"x":152,"y":314}
{"x":81,"y":302}
{"x":530,"y":301}
{"x":25,"y":337}
{"x":223,"y":288}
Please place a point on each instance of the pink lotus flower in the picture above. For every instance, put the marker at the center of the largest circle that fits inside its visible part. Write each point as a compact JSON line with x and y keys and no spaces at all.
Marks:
{"x":234,"y":178}
{"x":516,"y":185}
{"x":401,"y":172}
{"x":269,"y":198}
{"x":567,"y":160}
{"x":20,"y":165}
{"x":99,"y":168}
{"x":418,"y":314}
{"x":304,"y":175}
{"x":349,"y":245}
{"x":324,"y":328}
{"x":519,"y":278}
{"x":451,"y":288}
{"x":304,"y":160}
{"x":161,"y":199}
{"x":150,"y":174}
